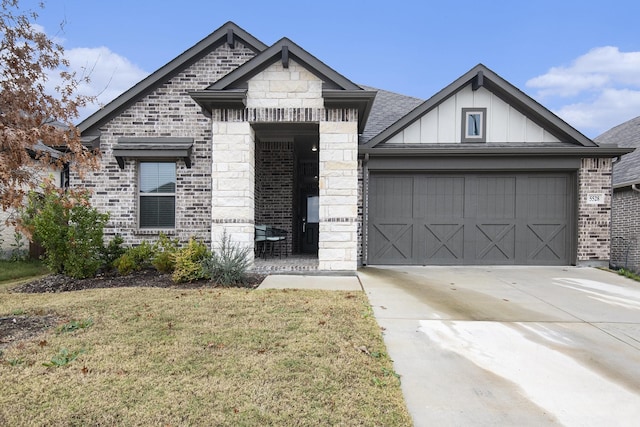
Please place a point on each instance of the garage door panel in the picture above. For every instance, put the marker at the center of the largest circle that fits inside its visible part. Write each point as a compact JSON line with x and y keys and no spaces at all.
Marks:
{"x":482,"y":218}
{"x":392,"y":242}
{"x":495,"y":197}
{"x":442,"y":242}
{"x":439,"y":197}
{"x":495,"y":243}
{"x":546,"y":243}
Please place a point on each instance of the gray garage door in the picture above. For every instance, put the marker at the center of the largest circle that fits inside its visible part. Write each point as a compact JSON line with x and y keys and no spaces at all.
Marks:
{"x":470,"y":219}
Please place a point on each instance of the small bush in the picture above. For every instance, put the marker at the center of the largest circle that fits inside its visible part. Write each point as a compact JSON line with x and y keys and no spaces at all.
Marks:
{"x":112,"y":251}
{"x":135,"y":258}
{"x":189,"y":262}
{"x":166,"y":250}
{"x":228,"y":265}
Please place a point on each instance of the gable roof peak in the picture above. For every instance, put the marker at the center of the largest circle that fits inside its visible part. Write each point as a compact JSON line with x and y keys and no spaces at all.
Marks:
{"x":284,"y":49}
{"x":482,"y":76}
{"x":227,"y":33}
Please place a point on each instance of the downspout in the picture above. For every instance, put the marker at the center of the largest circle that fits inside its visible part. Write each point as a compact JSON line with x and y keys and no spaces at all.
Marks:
{"x":365,"y":208}
{"x":634,"y":187}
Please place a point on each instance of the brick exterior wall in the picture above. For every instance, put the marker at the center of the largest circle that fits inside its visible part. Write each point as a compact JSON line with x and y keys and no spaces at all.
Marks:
{"x":275,"y":184}
{"x":166,"y":111}
{"x":625,"y":229}
{"x":360,"y":220}
{"x":594,"y":220}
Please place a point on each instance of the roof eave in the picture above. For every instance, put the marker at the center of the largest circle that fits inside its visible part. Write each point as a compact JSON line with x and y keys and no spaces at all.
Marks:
{"x":360,"y":99}
{"x":220,"y":36}
{"x":483,"y":151}
{"x":483,"y":76}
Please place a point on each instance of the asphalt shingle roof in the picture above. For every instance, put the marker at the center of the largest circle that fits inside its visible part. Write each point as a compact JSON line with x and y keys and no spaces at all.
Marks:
{"x":388,"y":108}
{"x":626,"y":134}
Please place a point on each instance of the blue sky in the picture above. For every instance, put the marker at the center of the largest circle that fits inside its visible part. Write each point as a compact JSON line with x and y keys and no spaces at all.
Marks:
{"x":580,"y":59}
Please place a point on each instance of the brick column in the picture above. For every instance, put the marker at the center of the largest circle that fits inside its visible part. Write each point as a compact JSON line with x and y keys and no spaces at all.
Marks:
{"x":594,"y":220}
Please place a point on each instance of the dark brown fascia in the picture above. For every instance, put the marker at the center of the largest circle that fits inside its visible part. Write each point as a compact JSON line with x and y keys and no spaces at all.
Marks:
{"x":483,"y":151}
{"x":360,"y":99}
{"x":153,"y":149}
{"x":267,"y":57}
{"x":212,"y":99}
{"x":218,"y":37}
{"x":481,"y":76}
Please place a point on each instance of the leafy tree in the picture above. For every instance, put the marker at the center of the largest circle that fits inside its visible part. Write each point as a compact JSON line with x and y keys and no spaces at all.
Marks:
{"x":32,"y":120}
{"x":69,"y":229}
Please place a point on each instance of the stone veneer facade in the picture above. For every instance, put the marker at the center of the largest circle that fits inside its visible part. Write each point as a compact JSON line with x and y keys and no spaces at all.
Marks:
{"x":287,"y":96}
{"x":167,"y":111}
{"x":594,"y":221}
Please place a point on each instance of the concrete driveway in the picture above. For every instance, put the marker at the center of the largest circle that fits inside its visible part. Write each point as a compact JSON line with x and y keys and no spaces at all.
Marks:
{"x":525,"y":346}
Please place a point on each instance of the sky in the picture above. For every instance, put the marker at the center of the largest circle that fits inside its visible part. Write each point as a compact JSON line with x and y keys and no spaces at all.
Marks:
{"x":580,"y":59}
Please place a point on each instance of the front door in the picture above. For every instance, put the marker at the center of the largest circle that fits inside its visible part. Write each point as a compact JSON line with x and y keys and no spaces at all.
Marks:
{"x":310,"y":224}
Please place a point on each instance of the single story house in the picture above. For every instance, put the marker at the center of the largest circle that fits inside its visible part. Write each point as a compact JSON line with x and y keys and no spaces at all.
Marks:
{"x":233,"y":133}
{"x":625,"y":212}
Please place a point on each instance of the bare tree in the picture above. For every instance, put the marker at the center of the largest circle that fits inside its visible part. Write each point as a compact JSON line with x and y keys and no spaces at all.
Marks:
{"x":33,"y":121}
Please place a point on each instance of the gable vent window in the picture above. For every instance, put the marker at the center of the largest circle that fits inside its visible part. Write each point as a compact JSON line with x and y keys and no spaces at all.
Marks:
{"x":474,"y":122}
{"x":157,"y":194}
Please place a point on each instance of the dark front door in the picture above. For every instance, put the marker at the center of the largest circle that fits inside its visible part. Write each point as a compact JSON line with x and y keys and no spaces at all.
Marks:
{"x":310,"y":224}
{"x":523,"y":218}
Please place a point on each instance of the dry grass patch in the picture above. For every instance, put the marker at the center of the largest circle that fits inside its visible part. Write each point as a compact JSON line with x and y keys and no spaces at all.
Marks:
{"x":201,"y":357}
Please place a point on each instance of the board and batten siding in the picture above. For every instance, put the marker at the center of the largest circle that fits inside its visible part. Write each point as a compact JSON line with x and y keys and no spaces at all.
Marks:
{"x":443,"y":124}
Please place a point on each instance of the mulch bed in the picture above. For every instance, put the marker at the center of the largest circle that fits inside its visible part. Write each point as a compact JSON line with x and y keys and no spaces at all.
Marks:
{"x":144,"y":278}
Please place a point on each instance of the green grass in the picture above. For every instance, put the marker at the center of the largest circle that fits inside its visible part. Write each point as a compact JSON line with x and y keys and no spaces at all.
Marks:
{"x":14,"y":270}
{"x":224,"y":357}
{"x":628,"y":274}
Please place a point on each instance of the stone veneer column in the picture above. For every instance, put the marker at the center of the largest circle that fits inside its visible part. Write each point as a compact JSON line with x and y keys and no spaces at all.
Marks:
{"x":338,"y":182}
{"x":594,"y":221}
{"x":232,"y":183}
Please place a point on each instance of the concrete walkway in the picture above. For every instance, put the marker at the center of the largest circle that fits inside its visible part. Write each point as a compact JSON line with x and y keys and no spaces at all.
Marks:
{"x":326,"y":283}
{"x":511,"y":346}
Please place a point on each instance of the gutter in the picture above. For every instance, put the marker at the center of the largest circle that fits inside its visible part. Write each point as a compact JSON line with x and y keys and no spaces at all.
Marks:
{"x":484,"y":151}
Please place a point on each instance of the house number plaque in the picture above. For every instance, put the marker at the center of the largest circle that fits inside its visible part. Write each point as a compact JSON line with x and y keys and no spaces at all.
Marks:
{"x":595,"y":198}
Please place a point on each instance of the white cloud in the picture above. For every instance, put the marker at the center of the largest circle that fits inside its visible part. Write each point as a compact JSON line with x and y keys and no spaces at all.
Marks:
{"x":109,"y":75}
{"x":599,"y":90}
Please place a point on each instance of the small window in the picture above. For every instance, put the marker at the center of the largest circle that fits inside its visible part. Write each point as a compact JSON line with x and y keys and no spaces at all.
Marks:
{"x":474,"y":124}
{"x":157,"y":195}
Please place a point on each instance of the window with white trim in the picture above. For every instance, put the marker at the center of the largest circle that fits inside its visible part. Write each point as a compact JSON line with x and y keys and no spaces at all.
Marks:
{"x":157,"y":195}
{"x":474,"y":122}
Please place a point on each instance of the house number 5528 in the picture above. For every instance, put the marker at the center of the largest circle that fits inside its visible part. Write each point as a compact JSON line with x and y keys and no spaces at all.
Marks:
{"x":595,"y":198}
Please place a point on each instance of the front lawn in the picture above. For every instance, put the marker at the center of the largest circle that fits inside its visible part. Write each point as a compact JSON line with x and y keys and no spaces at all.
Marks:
{"x":13,"y":270}
{"x":148,"y":356}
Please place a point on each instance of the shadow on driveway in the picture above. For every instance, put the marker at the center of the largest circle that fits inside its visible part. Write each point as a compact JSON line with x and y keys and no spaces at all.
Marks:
{"x":511,"y":345}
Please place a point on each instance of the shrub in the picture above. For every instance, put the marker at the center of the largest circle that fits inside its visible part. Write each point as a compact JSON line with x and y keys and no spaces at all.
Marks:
{"x":189,"y":262}
{"x":165,"y":258}
{"x":68,"y":228}
{"x":112,"y":251}
{"x":135,"y":258}
{"x":229,"y":264}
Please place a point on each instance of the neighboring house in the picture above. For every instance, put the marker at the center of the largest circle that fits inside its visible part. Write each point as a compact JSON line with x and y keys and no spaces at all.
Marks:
{"x":12,"y":241}
{"x":625,"y":223}
{"x":234,"y":133}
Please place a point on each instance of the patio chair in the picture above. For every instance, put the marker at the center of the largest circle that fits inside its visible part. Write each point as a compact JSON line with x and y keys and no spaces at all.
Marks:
{"x":261,"y":240}
{"x":279,"y":236}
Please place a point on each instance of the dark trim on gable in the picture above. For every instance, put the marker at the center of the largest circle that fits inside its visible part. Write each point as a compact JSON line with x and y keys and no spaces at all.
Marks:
{"x":153,"y":149}
{"x":218,"y":37}
{"x":338,"y":91}
{"x":506,"y":91}
{"x":458,"y":150}
{"x":240,"y":75}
